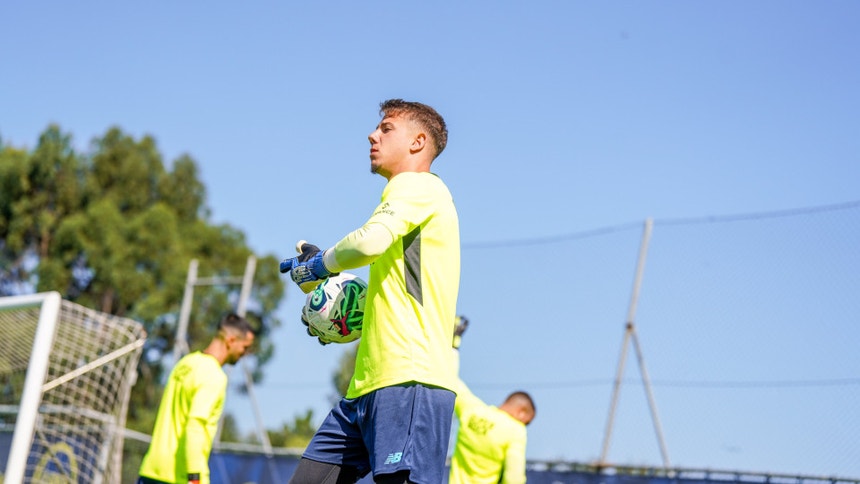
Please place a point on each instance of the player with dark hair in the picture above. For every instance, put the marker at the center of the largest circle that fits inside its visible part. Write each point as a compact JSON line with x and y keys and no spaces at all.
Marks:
{"x":491,"y":441}
{"x":395,"y":419}
{"x":191,"y":407}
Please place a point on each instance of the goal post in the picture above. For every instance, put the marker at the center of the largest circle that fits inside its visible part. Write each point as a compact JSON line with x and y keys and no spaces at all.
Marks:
{"x":66,"y":373}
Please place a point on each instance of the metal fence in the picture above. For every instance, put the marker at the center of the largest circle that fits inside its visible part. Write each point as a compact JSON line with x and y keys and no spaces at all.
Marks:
{"x":749,"y":327}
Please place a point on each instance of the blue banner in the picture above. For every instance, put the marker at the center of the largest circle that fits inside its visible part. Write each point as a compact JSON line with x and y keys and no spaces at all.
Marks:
{"x":56,"y":457}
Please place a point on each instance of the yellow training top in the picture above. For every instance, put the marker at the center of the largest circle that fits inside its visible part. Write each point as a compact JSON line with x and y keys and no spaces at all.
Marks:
{"x":491,"y":444}
{"x":412,"y":290}
{"x":187,"y":420}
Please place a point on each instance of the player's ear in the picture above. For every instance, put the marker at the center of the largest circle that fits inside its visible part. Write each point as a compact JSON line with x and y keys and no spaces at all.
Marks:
{"x":229,"y":337}
{"x":524,"y":415}
{"x":419,"y":142}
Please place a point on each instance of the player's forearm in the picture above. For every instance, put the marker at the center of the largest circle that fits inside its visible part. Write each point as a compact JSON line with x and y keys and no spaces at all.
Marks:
{"x":359,"y":248}
{"x":465,"y":397}
{"x":196,"y":443}
{"x":515,"y":464}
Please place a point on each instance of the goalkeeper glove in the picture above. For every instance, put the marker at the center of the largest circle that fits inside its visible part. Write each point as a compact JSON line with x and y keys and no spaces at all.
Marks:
{"x":306,"y":269}
{"x":322,"y":340}
{"x":459,"y":329}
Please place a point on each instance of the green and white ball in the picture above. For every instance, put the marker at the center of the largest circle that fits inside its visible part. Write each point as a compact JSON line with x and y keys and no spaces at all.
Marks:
{"x":334,"y":310}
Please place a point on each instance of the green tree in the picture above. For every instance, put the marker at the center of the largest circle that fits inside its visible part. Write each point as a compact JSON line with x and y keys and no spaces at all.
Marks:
{"x":40,"y":189}
{"x":296,"y":435}
{"x":113,"y":229}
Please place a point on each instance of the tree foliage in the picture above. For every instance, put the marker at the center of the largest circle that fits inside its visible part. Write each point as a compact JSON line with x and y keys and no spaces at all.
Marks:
{"x":114,"y":229}
{"x":296,"y":435}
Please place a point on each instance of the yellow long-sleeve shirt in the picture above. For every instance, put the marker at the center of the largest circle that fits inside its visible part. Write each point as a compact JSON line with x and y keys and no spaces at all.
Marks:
{"x":413,"y":242}
{"x":491,"y":444}
{"x":187,"y":420}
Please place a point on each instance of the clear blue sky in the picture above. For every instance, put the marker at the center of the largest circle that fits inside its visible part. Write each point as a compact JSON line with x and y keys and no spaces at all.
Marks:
{"x":564,"y":117}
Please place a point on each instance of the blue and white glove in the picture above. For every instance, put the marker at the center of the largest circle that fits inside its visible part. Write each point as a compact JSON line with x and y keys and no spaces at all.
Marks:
{"x":307,"y":268}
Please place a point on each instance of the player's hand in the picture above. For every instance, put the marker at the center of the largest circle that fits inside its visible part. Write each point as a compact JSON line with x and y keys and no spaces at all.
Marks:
{"x":307,"y":268}
{"x":459,"y":329}
{"x":313,"y":333}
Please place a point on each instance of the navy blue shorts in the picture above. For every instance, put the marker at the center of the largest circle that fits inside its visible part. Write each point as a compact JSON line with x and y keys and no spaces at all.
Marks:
{"x":403,"y":427}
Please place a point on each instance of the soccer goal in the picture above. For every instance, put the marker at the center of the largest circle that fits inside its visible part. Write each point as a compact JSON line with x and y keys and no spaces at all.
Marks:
{"x":65,"y":376}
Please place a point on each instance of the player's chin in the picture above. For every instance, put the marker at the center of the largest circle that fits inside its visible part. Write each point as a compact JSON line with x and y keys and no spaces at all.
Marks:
{"x":375,"y":163}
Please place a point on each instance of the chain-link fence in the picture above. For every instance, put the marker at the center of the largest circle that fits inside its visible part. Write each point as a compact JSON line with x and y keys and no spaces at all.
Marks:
{"x":749,"y":328}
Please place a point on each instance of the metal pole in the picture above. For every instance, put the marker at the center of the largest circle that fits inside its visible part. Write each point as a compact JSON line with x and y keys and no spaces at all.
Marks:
{"x":247,"y":282}
{"x":631,"y":316}
{"x":630,"y":332}
{"x":652,"y":404}
{"x":22,"y":436}
{"x":241,"y":308}
{"x":640,"y":270}
{"x":180,"y":346}
{"x":616,"y":390}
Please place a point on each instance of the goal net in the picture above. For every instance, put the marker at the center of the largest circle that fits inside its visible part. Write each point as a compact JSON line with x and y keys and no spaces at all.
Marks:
{"x":65,"y":376}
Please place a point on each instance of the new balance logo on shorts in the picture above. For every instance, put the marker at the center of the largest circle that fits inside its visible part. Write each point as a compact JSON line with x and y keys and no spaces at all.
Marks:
{"x":394,"y":458}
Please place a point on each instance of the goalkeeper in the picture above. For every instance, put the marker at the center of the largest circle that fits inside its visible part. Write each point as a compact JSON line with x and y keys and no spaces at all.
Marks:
{"x":396,"y":417}
{"x":191,"y":407}
{"x":491,"y":441}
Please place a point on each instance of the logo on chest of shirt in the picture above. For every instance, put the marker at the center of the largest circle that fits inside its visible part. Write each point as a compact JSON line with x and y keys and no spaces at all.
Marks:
{"x":385,"y":208}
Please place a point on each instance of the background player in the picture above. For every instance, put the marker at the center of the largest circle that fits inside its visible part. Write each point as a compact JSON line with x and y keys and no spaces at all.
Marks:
{"x":491,"y":441}
{"x":191,"y":407}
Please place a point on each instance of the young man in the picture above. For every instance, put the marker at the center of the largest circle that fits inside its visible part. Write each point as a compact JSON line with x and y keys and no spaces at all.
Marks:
{"x":191,"y":407}
{"x":396,"y":417}
{"x":491,"y":441}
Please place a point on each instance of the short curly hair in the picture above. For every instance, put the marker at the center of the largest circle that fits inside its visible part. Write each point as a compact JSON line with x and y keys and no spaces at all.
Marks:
{"x":422,"y":114}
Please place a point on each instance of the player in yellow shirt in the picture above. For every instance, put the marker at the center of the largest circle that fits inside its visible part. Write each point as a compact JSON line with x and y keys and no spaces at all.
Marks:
{"x":191,"y":407}
{"x":396,"y":416}
{"x":491,"y":441}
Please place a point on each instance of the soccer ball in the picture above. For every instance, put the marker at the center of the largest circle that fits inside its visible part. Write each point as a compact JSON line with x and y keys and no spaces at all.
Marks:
{"x":333,"y":311}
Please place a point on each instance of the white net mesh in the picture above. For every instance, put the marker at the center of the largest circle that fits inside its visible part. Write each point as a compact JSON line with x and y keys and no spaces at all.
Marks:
{"x":84,"y":397}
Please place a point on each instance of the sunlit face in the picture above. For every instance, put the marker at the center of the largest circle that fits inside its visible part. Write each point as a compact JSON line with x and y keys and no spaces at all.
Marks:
{"x":390,"y":144}
{"x":237,"y":346}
